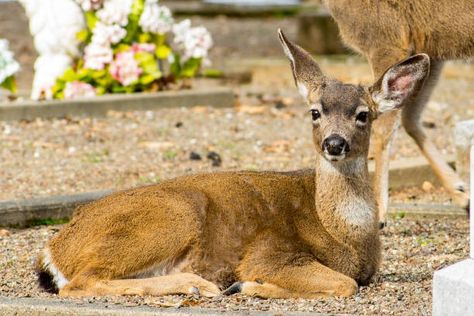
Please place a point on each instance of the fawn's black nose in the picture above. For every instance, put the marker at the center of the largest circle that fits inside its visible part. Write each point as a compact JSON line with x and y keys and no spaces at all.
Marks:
{"x":335,"y":145}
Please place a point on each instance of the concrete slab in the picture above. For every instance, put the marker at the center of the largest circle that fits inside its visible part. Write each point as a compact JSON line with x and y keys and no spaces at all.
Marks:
{"x":99,"y":106}
{"x":46,"y":307}
{"x":453,"y":290}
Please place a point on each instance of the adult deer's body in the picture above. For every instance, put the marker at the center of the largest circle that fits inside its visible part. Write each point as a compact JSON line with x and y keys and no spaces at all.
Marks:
{"x":296,"y":234}
{"x":386,"y":31}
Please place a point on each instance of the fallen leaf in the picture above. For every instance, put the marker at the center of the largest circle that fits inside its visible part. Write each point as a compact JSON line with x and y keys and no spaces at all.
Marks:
{"x":278,"y":146}
{"x":249,"y":109}
{"x":4,"y":233}
{"x":155,"y":145}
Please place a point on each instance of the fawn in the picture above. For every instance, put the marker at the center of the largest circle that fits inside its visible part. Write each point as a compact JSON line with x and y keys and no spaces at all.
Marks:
{"x":307,"y":233}
{"x":386,"y":31}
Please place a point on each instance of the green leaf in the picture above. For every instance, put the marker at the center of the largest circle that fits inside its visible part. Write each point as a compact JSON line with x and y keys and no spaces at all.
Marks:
{"x":121,"y":48}
{"x":100,"y":90}
{"x":175,"y":67}
{"x":160,"y":39}
{"x":190,"y":68}
{"x":69,"y":75}
{"x":133,"y":19}
{"x":144,"y":57}
{"x":148,"y":64}
{"x":144,"y":37}
{"x":163,"y":51}
{"x":97,"y":74}
{"x":83,"y":35}
{"x":91,"y":19}
{"x":213,"y":73}
{"x":117,"y":88}
{"x":147,"y":79}
{"x":10,"y":84}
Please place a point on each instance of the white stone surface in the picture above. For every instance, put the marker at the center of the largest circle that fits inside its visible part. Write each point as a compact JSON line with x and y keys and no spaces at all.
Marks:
{"x":471,"y":210}
{"x":453,"y":287}
{"x":464,"y":133}
{"x":453,"y":290}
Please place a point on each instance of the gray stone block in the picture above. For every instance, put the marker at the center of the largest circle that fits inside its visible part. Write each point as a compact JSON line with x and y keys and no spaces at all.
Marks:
{"x":453,"y":290}
{"x":99,"y":106}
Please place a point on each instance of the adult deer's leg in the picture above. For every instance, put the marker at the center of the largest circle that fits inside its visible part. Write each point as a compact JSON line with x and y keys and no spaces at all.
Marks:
{"x":411,"y":115}
{"x":383,"y":130}
{"x":275,"y":267}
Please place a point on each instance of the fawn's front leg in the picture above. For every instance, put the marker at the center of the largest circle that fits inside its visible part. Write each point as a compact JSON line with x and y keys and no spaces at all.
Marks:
{"x":278,"y":268}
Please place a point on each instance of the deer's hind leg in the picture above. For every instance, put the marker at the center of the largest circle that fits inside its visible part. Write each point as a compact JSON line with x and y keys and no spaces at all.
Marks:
{"x":411,"y":119}
{"x":180,"y":283}
{"x":148,"y":246}
{"x":275,"y":268}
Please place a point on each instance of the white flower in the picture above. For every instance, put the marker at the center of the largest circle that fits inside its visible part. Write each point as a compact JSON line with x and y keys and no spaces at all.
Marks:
{"x":195,"y":42}
{"x":115,"y":11}
{"x":77,"y":89}
{"x":107,"y":34}
{"x":96,"y":56}
{"x":88,"y":5}
{"x":156,"y":18}
{"x":8,"y":64}
{"x":180,"y":29}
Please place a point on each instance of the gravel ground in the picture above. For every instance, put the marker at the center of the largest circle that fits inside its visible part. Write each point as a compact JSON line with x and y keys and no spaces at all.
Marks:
{"x":268,"y":129}
{"x":412,"y":248}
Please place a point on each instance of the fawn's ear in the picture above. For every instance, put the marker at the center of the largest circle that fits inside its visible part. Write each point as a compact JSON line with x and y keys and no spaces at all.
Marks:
{"x":400,"y":82}
{"x":306,"y":72}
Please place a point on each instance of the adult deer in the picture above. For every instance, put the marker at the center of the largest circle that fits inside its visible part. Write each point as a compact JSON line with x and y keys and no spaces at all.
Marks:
{"x":278,"y":234}
{"x":387,"y":31}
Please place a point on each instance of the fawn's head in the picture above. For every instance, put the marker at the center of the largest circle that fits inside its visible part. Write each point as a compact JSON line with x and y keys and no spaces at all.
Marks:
{"x":342,"y":114}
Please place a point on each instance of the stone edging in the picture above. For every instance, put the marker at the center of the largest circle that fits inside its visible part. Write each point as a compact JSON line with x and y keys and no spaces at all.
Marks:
{"x":45,"y":307}
{"x":99,"y":106}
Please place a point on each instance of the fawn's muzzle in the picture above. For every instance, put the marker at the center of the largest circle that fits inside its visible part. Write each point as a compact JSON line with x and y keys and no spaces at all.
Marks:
{"x":335,"y":145}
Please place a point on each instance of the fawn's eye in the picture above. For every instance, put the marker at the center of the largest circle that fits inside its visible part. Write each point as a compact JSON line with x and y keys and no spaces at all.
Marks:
{"x":315,"y":114}
{"x":362,"y":117}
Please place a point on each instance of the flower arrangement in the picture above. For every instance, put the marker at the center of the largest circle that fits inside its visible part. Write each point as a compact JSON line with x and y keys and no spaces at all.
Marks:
{"x":8,"y":67}
{"x":132,"y":46}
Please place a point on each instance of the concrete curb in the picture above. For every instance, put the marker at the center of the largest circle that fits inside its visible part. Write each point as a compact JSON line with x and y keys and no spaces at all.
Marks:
{"x":25,"y":212}
{"x":41,"y":307}
{"x":98,"y":106}
{"x":412,"y":172}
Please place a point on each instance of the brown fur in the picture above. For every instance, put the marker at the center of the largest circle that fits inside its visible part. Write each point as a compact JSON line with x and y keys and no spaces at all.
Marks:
{"x":282,"y":234}
{"x":386,"y":31}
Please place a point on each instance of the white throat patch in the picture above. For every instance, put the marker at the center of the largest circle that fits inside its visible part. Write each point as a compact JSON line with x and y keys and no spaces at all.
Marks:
{"x":357,"y":212}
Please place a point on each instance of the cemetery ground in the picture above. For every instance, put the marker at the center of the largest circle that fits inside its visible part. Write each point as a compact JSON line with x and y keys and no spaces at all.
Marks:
{"x":269,"y":128}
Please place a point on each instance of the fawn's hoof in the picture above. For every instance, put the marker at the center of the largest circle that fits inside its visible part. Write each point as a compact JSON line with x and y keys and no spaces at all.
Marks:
{"x":233,"y":289}
{"x":382,"y":224}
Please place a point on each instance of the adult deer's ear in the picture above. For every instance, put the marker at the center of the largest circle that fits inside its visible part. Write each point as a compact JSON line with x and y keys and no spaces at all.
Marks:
{"x":400,"y":82}
{"x":306,"y":72}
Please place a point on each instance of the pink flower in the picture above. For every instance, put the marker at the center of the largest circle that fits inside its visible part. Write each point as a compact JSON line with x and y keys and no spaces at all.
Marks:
{"x":125,"y":68}
{"x":77,"y":89}
{"x":143,"y":47}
